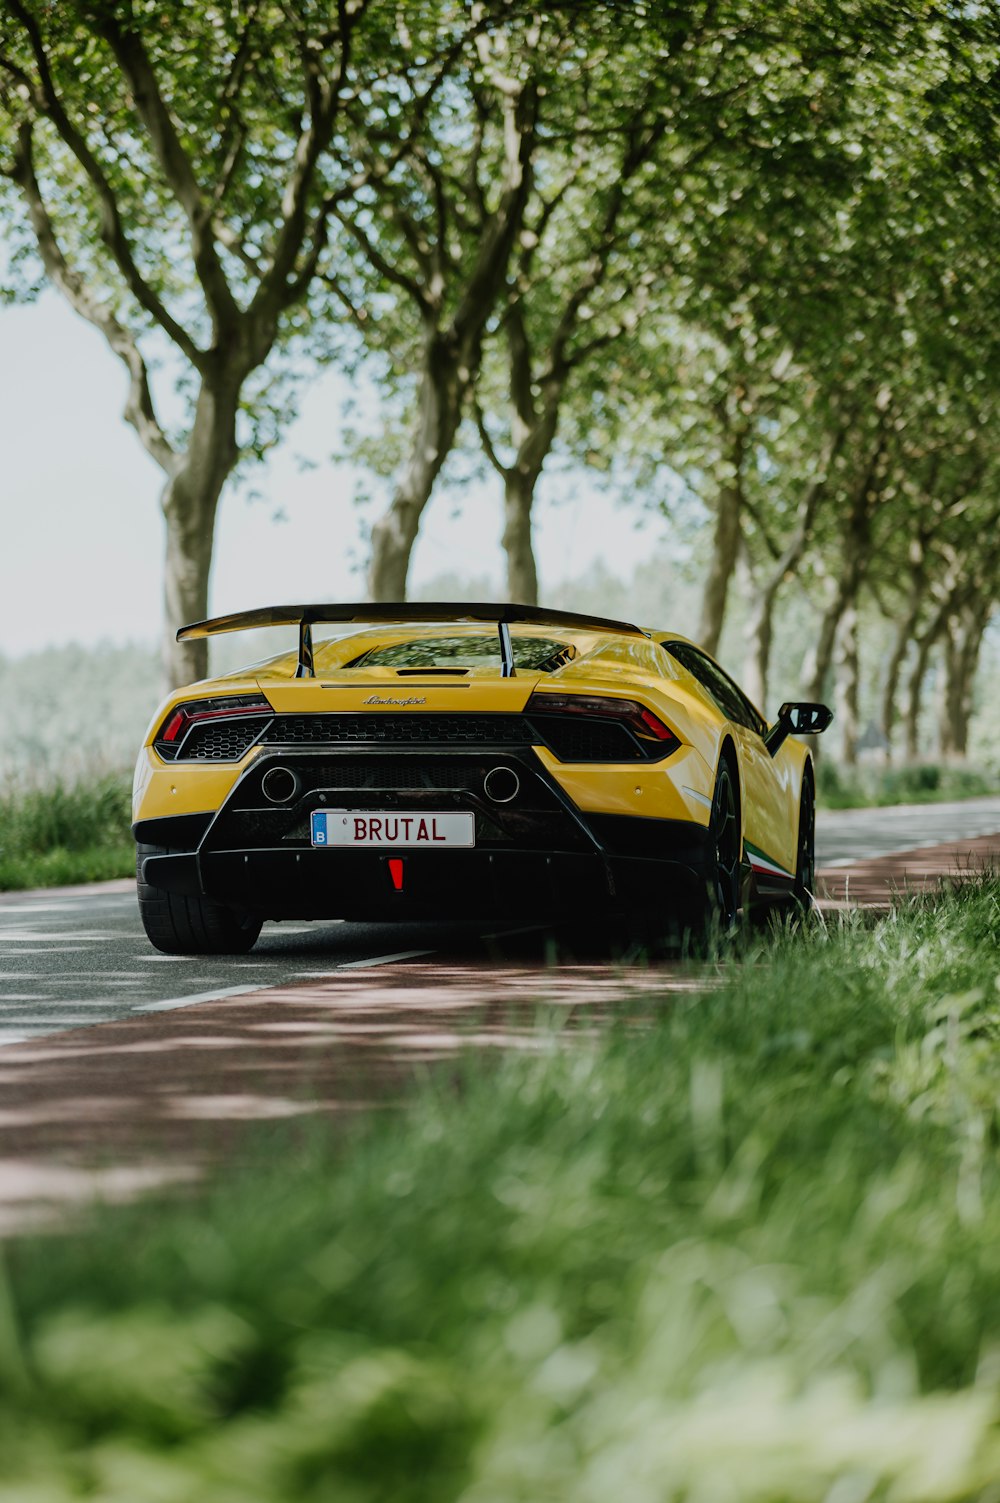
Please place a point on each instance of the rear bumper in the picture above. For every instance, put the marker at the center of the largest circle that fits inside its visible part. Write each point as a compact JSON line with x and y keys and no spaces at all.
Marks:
{"x":538,"y":855}
{"x":435,"y":884}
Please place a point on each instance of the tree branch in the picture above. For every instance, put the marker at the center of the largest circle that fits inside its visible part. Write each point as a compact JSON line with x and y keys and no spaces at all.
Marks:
{"x":358,"y":316}
{"x":490,"y":266}
{"x":139,"y":410}
{"x":134,"y":61}
{"x":487,"y":442}
{"x":383,"y":267}
{"x":48,"y":103}
{"x":279,"y":288}
{"x":232,"y":134}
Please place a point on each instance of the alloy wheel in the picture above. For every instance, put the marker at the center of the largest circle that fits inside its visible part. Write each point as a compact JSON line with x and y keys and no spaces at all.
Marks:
{"x":726,"y":838}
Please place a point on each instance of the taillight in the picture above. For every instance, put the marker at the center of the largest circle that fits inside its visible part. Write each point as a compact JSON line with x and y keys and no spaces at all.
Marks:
{"x":658,"y":739}
{"x":225,"y":707}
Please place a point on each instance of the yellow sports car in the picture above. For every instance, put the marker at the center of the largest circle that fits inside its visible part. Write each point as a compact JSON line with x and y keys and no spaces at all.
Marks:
{"x":476,"y":760}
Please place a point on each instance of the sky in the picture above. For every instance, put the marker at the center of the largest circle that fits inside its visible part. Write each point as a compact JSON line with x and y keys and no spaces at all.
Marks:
{"x":81,"y":538}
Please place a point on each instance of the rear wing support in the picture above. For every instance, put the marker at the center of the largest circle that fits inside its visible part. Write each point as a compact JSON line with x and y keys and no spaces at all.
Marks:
{"x":306,"y":668}
{"x":506,"y":651}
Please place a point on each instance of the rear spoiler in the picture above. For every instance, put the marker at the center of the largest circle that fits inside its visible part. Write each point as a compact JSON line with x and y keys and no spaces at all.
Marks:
{"x":367,"y":613}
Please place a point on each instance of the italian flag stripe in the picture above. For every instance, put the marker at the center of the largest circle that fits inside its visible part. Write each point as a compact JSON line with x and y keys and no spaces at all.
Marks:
{"x":762,"y":863}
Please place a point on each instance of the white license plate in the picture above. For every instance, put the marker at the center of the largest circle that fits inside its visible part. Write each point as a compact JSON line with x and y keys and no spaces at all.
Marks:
{"x":359,"y":827}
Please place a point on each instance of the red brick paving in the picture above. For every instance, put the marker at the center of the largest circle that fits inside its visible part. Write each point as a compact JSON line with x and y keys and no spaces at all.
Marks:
{"x":112,"y":1109}
{"x":882,"y":880}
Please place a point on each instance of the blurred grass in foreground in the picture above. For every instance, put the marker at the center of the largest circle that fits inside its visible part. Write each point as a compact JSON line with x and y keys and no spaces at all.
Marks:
{"x":747,"y":1251}
{"x":59,"y":833}
{"x":839,"y":787}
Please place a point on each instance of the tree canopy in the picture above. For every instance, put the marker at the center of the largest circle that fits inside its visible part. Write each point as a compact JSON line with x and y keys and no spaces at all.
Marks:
{"x":741,"y":244}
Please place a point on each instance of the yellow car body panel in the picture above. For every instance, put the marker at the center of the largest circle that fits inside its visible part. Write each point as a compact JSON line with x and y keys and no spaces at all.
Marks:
{"x":616,"y":802}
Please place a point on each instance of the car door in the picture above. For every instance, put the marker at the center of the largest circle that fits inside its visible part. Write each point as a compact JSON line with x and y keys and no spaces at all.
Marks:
{"x":768,"y":828}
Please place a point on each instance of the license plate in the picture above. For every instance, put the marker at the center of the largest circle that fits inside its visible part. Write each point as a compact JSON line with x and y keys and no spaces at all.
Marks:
{"x":359,"y":827}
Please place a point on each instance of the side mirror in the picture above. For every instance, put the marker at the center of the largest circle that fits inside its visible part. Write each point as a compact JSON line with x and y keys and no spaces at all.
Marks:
{"x":797,"y":719}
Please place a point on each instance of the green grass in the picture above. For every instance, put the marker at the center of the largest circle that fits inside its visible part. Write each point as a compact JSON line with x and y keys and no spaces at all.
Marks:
{"x":747,"y":1251}
{"x":66,"y":833}
{"x":923,"y":783}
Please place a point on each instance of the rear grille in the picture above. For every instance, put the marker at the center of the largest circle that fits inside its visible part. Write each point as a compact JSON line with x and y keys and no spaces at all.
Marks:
{"x":412,"y":730}
{"x":219,"y":740}
{"x":385,"y":775}
{"x":574,"y":738}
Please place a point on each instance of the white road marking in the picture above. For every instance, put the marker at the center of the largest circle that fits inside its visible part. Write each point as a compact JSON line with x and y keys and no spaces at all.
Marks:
{"x":364,"y":965}
{"x":53,"y":935}
{"x":47,"y":950}
{"x":37,"y":907}
{"x":215,"y":996}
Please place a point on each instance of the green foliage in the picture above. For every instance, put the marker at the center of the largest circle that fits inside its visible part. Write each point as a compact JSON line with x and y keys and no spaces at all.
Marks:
{"x":743,"y":1245}
{"x":59,"y":833}
{"x":923,"y":783}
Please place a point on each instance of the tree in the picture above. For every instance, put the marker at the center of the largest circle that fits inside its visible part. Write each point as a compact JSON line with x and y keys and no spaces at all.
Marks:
{"x":178,"y":171}
{"x":696,"y":105}
{"x":441,"y":224}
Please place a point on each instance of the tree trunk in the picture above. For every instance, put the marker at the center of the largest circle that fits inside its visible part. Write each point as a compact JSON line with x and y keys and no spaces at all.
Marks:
{"x":760,"y":628}
{"x":894,"y":668}
{"x":962,"y":648}
{"x":189,"y":503}
{"x":522,"y":574}
{"x":915,"y":691}
{"x":820,"y":661}
{"x":847,"y":685}
{"x":856,"y":541}
{"x":760,"y":633}
{"x":534,"y":431}
{"x":725,"y":552}
{"x":444,"y":383}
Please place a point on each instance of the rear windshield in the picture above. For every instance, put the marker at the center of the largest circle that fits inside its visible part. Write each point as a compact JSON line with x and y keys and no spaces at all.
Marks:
{"x":540,"y":654}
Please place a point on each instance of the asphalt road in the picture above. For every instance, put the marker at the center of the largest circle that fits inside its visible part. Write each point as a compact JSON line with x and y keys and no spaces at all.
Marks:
{"x":848,"y":835}
{"x":77,"y":957}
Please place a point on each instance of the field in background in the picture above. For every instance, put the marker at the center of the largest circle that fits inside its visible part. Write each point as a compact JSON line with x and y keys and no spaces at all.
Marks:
{"x":741,"y":1245}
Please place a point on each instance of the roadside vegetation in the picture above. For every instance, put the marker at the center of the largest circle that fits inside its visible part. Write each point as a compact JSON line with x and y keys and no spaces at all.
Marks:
{"x":57,"y":832}
{"x":839,"y":787}
{"x":743,"y":1246}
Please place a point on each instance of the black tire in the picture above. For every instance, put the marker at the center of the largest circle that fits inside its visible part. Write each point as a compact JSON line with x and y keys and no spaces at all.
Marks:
{"x":723,"y":897}
{"x":180,"y":925}
{"x":805,"y":854}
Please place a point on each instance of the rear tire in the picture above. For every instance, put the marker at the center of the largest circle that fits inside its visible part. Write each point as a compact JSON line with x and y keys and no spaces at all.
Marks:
{"x":179,"y":925}
{"x":805,"y":855}
{"x":720,"y":907}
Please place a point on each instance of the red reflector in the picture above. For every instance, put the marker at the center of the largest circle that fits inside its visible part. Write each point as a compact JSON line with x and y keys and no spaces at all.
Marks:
{"x":396,"y":872}
{"x":173,"y":725}
{"x":652,"y":723}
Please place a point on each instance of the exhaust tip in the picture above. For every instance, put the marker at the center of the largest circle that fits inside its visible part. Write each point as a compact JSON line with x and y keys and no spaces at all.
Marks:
{"x":279,"y":785}
{"x":501,"y":784}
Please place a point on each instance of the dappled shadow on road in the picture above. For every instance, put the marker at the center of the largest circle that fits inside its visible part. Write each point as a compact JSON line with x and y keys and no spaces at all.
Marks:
{"x":111,"y":1110}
